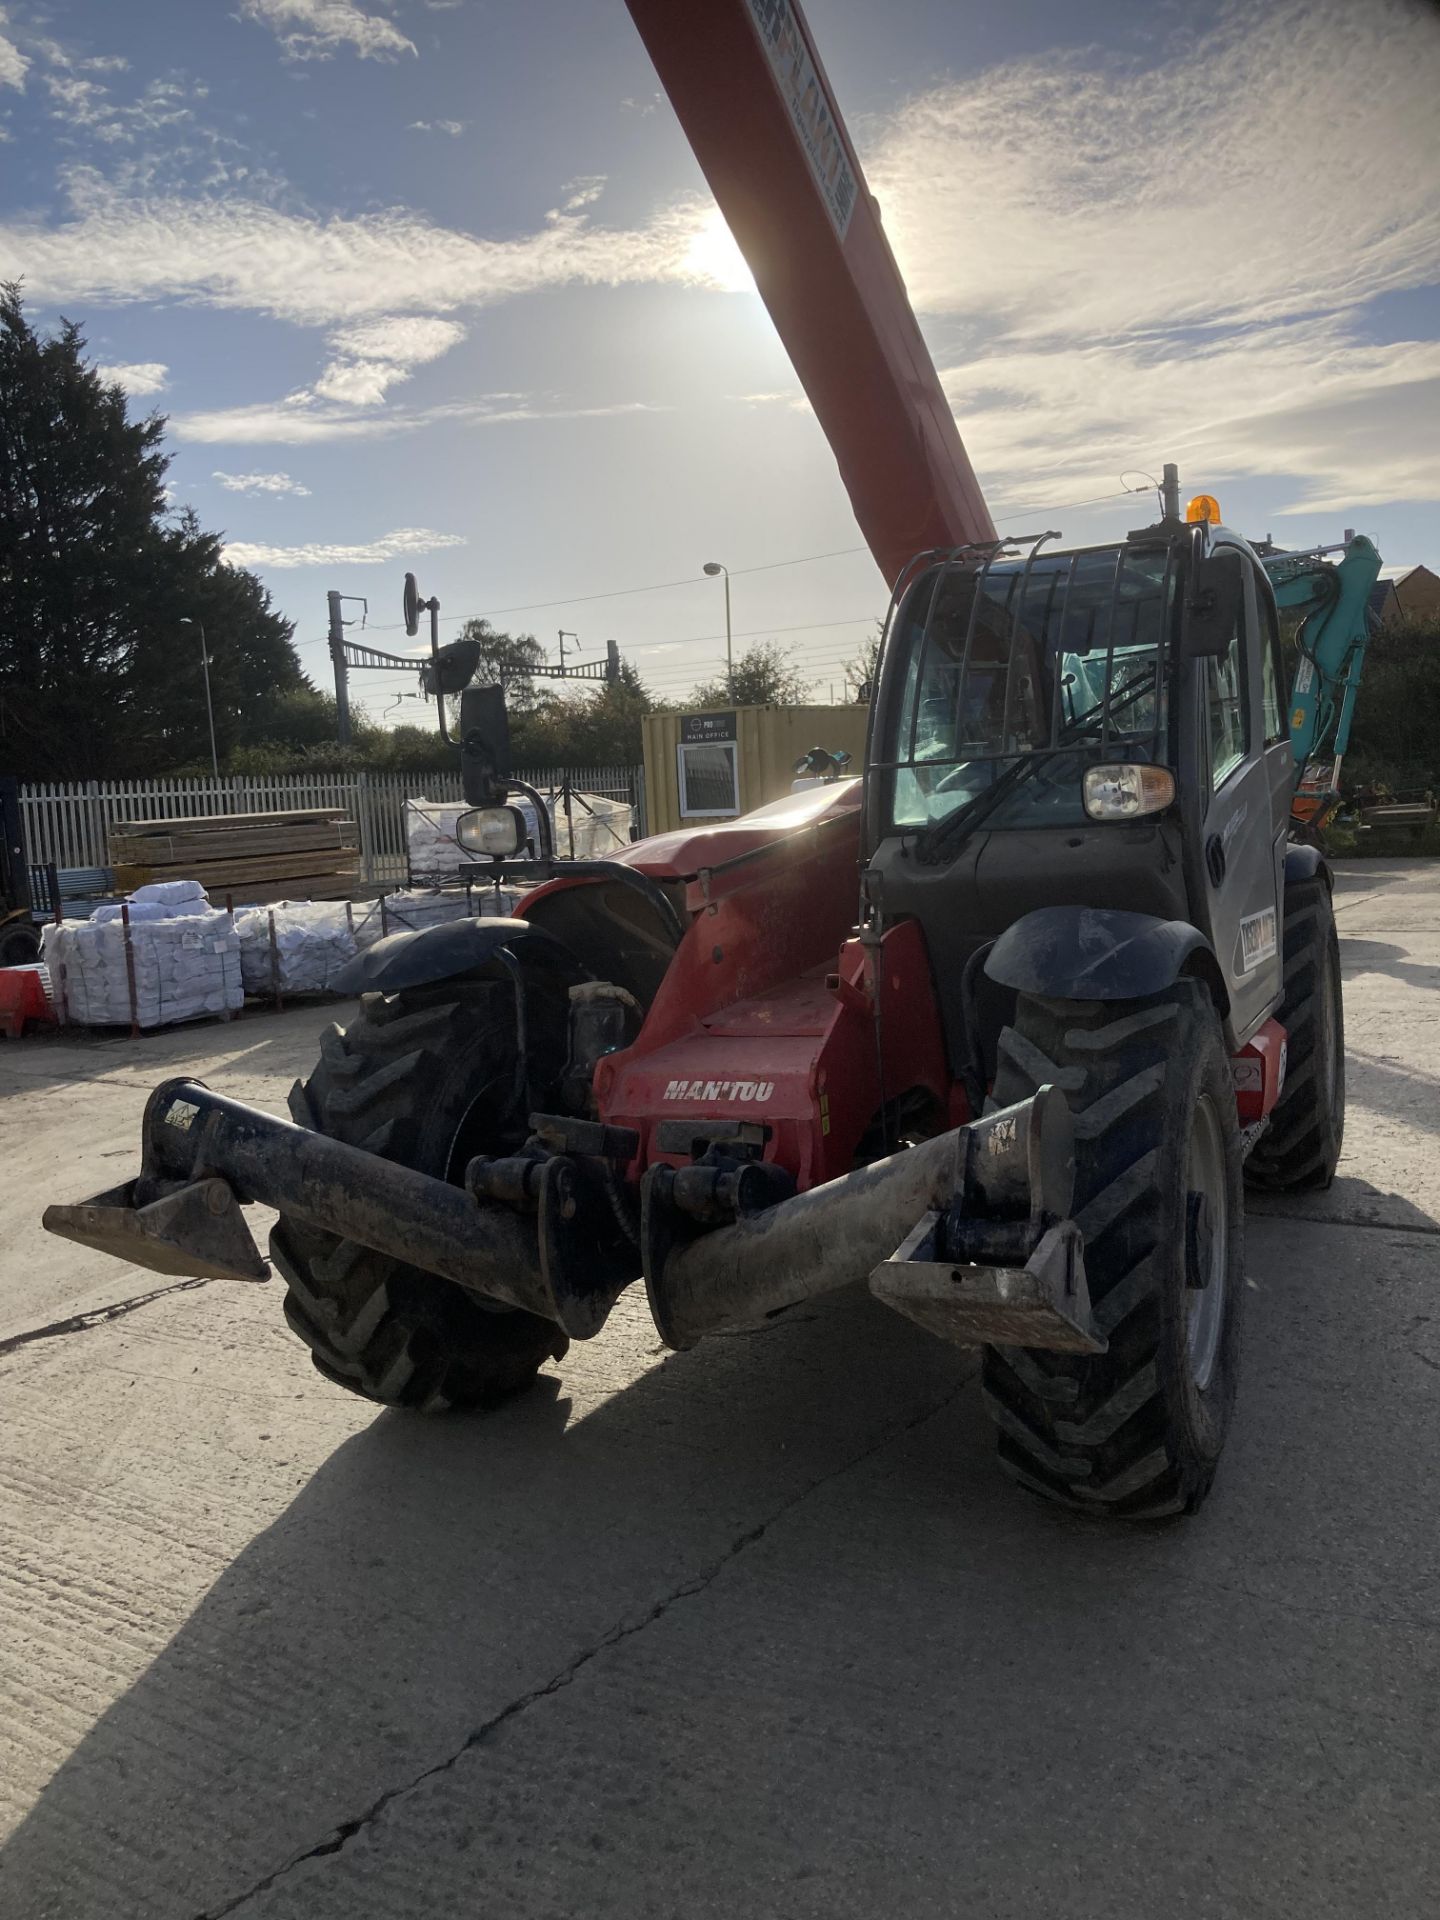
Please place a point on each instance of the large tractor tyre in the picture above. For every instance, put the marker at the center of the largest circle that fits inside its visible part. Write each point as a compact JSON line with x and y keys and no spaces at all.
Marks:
{"x":427,"y":1079}
{"x":1301,"y":1146}
{"x":1135,"y":1432}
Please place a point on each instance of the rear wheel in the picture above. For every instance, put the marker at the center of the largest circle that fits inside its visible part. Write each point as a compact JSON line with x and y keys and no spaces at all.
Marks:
{"x":1135,"y":1432}
{"x":1301,"y":1146}
{"x":19,"y":946}
{"x":427,"y":1079}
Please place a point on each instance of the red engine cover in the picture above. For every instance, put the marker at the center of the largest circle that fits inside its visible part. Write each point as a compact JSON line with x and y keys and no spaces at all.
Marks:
{"x":802,"y":1056}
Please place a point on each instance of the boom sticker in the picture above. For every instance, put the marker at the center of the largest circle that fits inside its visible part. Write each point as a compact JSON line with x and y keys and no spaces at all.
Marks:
{"x":1257,"y":940}
{"x":808,"y":104}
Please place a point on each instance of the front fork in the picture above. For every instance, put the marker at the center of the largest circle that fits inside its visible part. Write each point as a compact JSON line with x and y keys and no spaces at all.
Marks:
{"x":968,"y":1233}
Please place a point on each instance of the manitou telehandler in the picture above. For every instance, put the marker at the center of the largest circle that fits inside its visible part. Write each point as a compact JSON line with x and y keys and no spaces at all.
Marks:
{"x":999,"y":1027}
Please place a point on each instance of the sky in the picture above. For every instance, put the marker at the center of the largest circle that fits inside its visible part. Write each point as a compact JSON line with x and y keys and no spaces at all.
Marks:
{"x":437,"y":285}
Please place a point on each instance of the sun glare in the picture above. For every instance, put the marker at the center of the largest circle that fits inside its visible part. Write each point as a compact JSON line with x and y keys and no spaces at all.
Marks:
{"x":712,"y":256}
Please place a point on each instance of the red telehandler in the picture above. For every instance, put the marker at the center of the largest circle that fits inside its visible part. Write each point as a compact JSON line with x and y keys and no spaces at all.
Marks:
{"x":999,"y":1027}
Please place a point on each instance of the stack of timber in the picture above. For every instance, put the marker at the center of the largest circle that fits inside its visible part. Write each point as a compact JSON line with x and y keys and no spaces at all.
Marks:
{"x":307,"y":853}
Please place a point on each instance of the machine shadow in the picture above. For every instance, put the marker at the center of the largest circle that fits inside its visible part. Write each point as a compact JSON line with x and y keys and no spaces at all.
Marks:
{"x":919,"y":1613}
{"x":429,"y":1574}
{"x":1380,"y":956}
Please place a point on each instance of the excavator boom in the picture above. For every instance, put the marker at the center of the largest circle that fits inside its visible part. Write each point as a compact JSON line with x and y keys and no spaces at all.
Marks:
{"x":774,"y":149}
{"x":1332,"y":599}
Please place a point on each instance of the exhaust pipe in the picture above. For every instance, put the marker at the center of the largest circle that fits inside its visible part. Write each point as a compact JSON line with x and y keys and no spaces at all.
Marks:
{"x":201,"y":1152}
{"x":981,"y":1210}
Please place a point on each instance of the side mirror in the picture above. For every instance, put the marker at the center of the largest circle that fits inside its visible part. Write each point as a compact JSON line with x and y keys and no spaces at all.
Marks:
{"x":452,"y":669}
{"x":1213,"y":606}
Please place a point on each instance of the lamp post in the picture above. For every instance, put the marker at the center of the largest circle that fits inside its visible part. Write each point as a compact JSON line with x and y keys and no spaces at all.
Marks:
{"x":186,"y":621}
{"x":712,"y":567}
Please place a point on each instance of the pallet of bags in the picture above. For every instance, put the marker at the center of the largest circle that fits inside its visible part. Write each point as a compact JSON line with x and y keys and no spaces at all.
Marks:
{"x":296,"y":946}
{"x":407,"y":911}
{"x":171,"y":957}
{"x":600,"y":829}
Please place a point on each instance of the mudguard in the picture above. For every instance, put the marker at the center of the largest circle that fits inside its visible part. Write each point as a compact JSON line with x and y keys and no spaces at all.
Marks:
{"x":449,"y":952}
{"x":1304,"y":862}
{"x":1097,"y":953}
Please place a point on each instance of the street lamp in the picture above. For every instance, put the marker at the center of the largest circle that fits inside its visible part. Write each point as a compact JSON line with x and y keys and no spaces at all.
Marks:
{"x":712,"y":567}
{"x":186,"y":621}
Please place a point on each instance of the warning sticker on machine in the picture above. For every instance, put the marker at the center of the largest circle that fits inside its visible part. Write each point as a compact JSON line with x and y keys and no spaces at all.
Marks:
{"x":804,"y":94}
{"x":1257,"y":939}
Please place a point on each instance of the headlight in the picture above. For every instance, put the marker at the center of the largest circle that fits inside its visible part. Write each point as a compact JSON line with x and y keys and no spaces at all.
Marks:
{"x":500,"y":831}
{"x":1125,"y":792}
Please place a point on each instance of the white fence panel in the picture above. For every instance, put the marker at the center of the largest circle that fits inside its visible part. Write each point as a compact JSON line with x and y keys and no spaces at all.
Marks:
{"x":67,"y":823}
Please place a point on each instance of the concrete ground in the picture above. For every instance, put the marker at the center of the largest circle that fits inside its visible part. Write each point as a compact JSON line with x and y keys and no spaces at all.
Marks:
{"x":754,"y":1630}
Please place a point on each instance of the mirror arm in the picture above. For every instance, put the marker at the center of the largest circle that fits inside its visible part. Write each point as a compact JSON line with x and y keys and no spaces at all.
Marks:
{"x":542,"y":818}
{"x":434,"y":606}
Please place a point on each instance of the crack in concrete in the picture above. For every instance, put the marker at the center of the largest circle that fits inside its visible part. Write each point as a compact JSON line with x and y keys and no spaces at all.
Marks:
{"x":623,"y":1630}
{"x":94,"y":1317}
{"x":1428,"y":1232}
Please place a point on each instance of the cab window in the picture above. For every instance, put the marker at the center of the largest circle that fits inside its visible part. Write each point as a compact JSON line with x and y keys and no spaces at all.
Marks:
{"x":1272,"y":676}
{"x":1225,"y":707}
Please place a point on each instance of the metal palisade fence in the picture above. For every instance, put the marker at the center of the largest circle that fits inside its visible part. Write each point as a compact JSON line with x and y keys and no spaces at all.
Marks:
{"x":67,"y":824}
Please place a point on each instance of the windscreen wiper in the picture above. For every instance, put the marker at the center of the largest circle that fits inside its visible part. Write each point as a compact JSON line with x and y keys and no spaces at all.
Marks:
{"x":946,"y":837}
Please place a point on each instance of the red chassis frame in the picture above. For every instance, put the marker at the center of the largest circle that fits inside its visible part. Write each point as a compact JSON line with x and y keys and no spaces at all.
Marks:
{"x":756,"y":1020}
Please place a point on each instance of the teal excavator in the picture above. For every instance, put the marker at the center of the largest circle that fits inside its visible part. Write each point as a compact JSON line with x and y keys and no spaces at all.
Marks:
{"x":1332,"y":599}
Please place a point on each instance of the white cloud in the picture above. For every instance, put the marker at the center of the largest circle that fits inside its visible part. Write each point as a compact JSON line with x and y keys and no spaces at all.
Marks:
{"x":298,"y":421}
{"x":1118,"y":263}
{"x":359,"y":383}
{"x":407,"y":339}
{"x":316,"y":29}
{"x":582,"y":192}
{"x":228,"y":252}
{"x":243,"y":553}
{"x":790,"y":398}
{"x":86,"y":107}
{"x":272,"y":484}
{"x":1102,"y":199}
{"x":1132,"y":264}
{"x":378,"y":354}
{"x":13,"y":64}
{"x":138,"y":377}
{"x":453,"y":127}
{"x":1043,"y":421}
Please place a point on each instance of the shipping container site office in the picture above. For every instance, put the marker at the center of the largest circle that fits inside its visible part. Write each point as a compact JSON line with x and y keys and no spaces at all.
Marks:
{"x":717,"y":764}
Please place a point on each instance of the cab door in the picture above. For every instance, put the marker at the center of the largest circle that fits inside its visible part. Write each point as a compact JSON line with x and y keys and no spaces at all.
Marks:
{"x":1243,"y":822}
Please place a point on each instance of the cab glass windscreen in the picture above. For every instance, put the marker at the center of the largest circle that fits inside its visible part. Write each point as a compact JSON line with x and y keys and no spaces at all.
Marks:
{"x":1063,"y":657}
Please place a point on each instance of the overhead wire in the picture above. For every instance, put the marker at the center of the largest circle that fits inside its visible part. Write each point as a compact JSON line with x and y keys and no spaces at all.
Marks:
{"x":736,"y":573}
{"x":688,"y":670}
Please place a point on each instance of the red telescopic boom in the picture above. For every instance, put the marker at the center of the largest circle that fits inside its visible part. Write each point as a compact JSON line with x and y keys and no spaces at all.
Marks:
{"x":752,"y":97}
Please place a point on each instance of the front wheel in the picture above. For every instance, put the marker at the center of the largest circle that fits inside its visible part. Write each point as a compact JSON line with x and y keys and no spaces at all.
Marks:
{"x":425,"y":1078}
{"x":1135,"y":1432}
